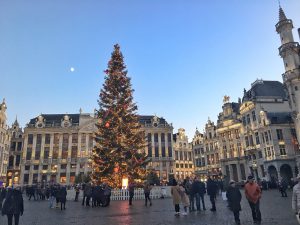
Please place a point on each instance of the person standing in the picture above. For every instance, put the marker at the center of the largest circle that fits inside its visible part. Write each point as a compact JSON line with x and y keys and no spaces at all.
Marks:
{"x":188,"y":184}
{"x":184,"y":199}
{"x":62,"y":197}
{"x":107,"y":194}
{"x":13,"y":205}
{"x":77,"y":192}
{"x":2,"y":196}
{"x":234,"y":200}
{"x":52,"y":194}
{"x":131,"y":187}
{"x":175,"y":191}
{"x":147,"y":190}
{"x":283,"y":185}
{"x":212,"y":192}
{"x":253,"y":195}
{"x":296,"y":198}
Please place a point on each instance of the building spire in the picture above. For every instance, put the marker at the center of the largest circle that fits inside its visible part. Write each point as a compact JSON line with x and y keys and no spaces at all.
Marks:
{"x":281,"y":14}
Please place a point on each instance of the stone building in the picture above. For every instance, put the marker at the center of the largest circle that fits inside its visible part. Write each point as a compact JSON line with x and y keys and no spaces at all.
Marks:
{"x":58,"y":147}
{"x":4,"y":142}
{"x":159,"y":145}
{"x":184,"y":165}
{"x":199,"y":155}
{"x":264,"y":112}
{"x":15,"y":154}
{"x":211,"y":150}
{"x":290,"y":54}
{"x":232,"y":158}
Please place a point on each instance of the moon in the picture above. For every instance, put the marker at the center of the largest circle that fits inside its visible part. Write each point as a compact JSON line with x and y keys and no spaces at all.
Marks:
{"x":72,"y":69}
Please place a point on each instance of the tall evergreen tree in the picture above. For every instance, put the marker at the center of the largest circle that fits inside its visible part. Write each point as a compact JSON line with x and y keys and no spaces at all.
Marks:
{"x":120,"y":143}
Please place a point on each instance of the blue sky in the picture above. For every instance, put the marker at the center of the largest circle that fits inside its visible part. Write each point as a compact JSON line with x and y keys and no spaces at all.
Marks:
{"x":182,"y":56}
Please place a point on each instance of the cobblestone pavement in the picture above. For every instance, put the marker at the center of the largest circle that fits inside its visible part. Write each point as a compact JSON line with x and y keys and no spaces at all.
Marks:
{"x":275,"y":211}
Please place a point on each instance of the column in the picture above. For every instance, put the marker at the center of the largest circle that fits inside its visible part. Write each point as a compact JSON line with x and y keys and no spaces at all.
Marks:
{"x":159,"y":145}
{"x":42,"y":148}
{"x":152,"y":145}
{"x":33,"y":147}
{"x":68,"y":169}
{"x":78,"y":154}
{"x":51,"y":145}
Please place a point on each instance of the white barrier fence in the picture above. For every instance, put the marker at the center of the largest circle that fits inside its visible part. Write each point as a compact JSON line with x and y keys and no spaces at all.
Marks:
{"x":123,"y":194}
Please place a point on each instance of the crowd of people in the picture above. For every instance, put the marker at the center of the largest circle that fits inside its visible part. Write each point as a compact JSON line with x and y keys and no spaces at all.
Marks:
{"x":189,"y":193}
{"x":192,"y":191}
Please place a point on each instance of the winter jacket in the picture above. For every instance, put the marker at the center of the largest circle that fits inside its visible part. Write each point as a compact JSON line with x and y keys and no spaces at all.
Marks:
{"x":147,"y":189}
{"x":62,"y":195}
{"x":296,"y":198}
{"x":184,"y":197}
{"x":13,"y":203}
{"x":175,"y":191}
{"x":212,"y":187}
{"x":252,"y":192}
{"x":234,"y":198}
{"x":189,"y":188}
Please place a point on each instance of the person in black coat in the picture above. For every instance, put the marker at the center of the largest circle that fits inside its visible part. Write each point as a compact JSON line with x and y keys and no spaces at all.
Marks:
{"x":13,"y":205}
{"x":2,"y":196}
{"x":62,"y":197}
{"x":198,"y":188}
{"x":234,"y":199}
{"x":212,"y":189}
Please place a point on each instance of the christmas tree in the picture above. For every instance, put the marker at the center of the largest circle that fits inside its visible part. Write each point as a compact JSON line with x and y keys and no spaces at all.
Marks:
{"x":120,"y":143}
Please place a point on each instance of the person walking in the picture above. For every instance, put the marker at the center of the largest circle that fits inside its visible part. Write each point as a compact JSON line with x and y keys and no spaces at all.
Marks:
{"x":13,"y":205}
{"x":296,"y":198}
{"x":147,"y":190}
{"x":212,"y":192}
{"x":234,"y":197}
{"x":131,"y":187}
{"x":52,"y":194}
{"x":175,"y":191}
{"x":253,"y":195}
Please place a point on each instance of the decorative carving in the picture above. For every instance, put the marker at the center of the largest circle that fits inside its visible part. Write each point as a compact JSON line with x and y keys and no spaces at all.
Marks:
{"x":226,"y":99}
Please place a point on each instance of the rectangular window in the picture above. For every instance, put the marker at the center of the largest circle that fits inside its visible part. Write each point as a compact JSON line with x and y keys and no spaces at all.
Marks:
{"x":257,"y":138}
{"x":251,"y":140}
{"x":27,"y":167}
{"x":13,"y":146}
{"x":47,"y":139}
{"x":35,"y":167}
{"x":270,"y":136}
{"x":26,"y":178}
{"x":55,"y":153}
{"x":39,"y":139}
{"x":63,"y":166}
{"x":74,"y":138}
{"x":266,"y":137}
{"x":253,"y":116}
{"x":30,"y":139}
{"x":45,"y":167}
{"x":56,"y":139}
{"x":176,"y":155}
{"x":28,"y":154}
{"x":83,"y":139}
{"x":37,"y":155}
{"x":163,"y":151}
{"x":170,"y":150}
{"x":149,"y":145}
{"x":189,"y":156}
{"x":244,"y":121}
{"x":282,"y":149}
{"x":180,"y":155}
{"x":279,"y":134}
{"x":74,"y":152}
{"x":247,"y":141}
{"x":46,"y":152}
{"x":260,"y":154}
{"x":18,"y":159}
{"x":248,"y":119}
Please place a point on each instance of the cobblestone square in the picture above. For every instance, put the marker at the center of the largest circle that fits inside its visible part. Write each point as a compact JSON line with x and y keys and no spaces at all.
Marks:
{"x":275,"y":211}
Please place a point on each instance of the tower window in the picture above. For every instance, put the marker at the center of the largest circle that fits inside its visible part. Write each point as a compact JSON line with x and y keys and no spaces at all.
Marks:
{"x":296,"y":88}
{"x":286,"y":65}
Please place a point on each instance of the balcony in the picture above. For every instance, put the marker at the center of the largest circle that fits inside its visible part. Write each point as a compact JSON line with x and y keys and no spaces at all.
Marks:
{"x":291,"y":75}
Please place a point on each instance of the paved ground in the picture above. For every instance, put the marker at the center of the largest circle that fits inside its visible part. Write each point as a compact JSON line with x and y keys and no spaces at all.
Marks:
{"x":275,"y":211}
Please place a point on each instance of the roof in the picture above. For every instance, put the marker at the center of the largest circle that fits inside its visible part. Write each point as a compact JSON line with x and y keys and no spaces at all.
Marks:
{"x":281,"y":14}
{"x":266,"y":89}
{"x":57,"y":118}
{"x":280,"y":117}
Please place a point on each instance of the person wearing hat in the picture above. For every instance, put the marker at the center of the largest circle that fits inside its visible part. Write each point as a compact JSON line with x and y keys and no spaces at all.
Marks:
{"x":296,"y":198}
{"x":253,"y":195}
{"x":234,"y":197}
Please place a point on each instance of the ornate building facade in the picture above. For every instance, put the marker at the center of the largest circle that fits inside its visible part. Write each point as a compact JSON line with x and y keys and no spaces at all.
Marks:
{"x":184,"y":165}
{"x":4,"y":142}
{"x":58,"y":147}
{"x":15,"y":154}
{"x":159,"y":145}
{"x":199,"y":155}
{"x":232,"y":158}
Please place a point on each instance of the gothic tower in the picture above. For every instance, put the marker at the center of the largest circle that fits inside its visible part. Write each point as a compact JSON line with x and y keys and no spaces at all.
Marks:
{"x":290,"y":53}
